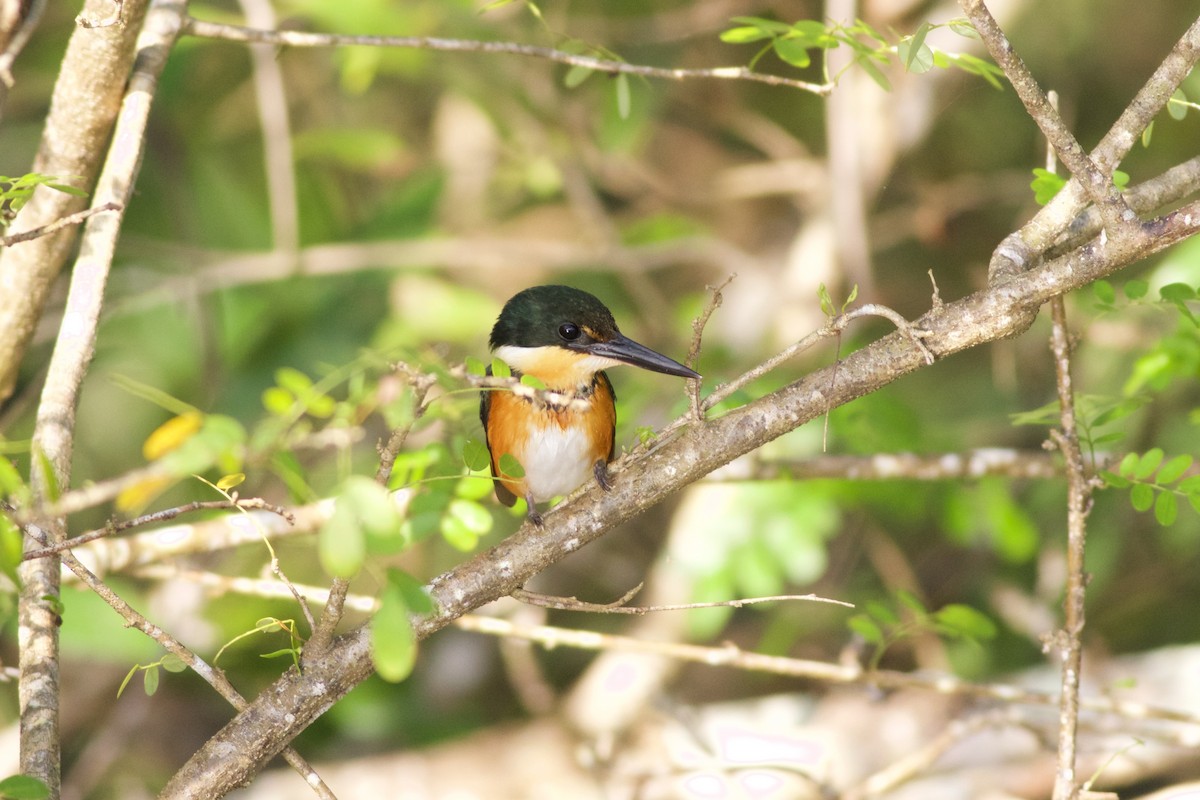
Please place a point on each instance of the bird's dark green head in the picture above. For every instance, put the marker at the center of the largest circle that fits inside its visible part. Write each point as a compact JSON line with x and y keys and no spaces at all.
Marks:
{"x":552,"y":316}
{"x":562,"y":318}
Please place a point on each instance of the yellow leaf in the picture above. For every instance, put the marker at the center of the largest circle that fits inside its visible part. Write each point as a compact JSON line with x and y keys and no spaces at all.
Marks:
{"x":171,"y":434}
{"x":138,"y":496}
{"x":229,"y":481}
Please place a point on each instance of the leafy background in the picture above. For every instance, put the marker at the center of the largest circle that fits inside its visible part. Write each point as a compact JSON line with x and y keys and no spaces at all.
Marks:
{"x":499,"y":157}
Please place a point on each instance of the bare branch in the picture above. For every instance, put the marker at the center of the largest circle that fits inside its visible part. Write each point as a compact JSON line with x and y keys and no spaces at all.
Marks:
{"x":619,"y":607}
{"x":149,"y":519}
{"x":1024,"y":248}
{"x":239,"y":33}
{"x":1097,"y":184}
{"x":87,"y":98}
{"x":59,"y":224}
{"x":1079,"y":491}
{"x":53,"y":437}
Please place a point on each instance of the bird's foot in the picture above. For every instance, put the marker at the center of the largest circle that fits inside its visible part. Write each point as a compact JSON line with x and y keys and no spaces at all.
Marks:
{"x":601,"y":472}
{"x":532,"y":514}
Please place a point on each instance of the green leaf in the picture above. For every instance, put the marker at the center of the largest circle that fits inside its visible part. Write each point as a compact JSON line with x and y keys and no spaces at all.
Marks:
{"x":173,"y":663}
{"x":882,"y":613}
{"x":1141,"y":496}
{"x":963,"y":27}
{"x":576,"y":75}
{"x":458,"y":533}
{"x":1147,"y":133}
{"x":11,"y":545}
{"x":474,"y":366}
{"x":473,"y":515}
{"x":1148,"y":463}
{"x":966,"y":621}
{"x":1189,"y":485}
{"x":744,"y":34}
{"x":500,"y":369}
{"x":1177,"y":293}
{"x":510,"y":467}
{"x":393,"y":643}
{"x":1128,"y":464}
{"x":873,"y":72}
{"x":342,"y":543}
{"x":533,"y":381}
{"x":850,"y":298}
{"x":1135,"y":289}
{"x":865,"y":627}
{"x":793,"y":51}
{"x":371,"y":505}
{"x":1166,"y":509}
{"x":624,"y":98}
{"x":918,"y":60}
{"x":293,"y":380}
{"x":473,"y":487}
{"x":128,"y":677}
{"x":49,"y":477}
{"x":1046,"y":185}
{"x":1104,"y":292}
{"x":1173,"y":470}
{"x":23,"y":787}
{"x":912,"y":601}
{"x":827,"y":307}
{"x":1177,"y":105}
{"x":150,"y":680}
{"x":277,"y":400}
{"x":1113,"y":481}
{"x":415,"y":596}
{"x":475,"y":455}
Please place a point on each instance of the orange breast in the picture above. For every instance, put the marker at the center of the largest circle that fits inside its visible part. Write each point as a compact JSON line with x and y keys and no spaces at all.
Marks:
{"x":556,"y":447}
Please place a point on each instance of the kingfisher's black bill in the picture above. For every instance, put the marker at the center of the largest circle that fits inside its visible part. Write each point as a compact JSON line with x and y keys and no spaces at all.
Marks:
{"x":621,"y":348}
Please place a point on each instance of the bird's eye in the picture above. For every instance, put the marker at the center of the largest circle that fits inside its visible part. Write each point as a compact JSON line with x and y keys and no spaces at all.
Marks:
{"x":569,"y":331}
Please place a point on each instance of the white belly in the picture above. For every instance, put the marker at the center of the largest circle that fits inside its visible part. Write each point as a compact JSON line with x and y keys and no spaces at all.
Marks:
{"x":556,"y":462}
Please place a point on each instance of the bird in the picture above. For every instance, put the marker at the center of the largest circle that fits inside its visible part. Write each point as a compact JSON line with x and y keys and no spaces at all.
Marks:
{"x":565,"y":338}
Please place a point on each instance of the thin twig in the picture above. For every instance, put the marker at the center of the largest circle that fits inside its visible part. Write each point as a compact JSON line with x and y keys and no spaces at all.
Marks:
{"x":729,"y":655}
{"x":164,"y":515}
{"x":30,"y":17}
{"x":58,"y":224}
{"x":238,"y":33}
{"x":698,"y":325}
{"x":619,"y":607}
{"x":1069,"y":642}
{"x":831,"y":328}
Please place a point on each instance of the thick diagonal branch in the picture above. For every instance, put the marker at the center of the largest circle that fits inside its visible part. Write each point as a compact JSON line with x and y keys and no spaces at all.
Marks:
{"x":248,"y":742}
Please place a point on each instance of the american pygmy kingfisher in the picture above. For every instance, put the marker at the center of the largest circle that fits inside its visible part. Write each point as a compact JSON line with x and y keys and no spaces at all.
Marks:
{"x":565,"y":338}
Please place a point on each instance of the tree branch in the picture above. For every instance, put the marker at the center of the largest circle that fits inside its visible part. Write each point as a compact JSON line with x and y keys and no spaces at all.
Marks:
{"x":1024,"y":248}
{"x":240,"y":33}
{"x":1079,"y":492}
{"x":87,"y":98}
{"x":290,"y":705}
{"x":53,"y":436}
